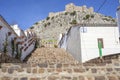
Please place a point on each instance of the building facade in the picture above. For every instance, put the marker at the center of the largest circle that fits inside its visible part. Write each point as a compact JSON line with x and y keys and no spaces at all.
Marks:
{"x":82,"y":41}
{"x":118,"y":18}
{"x":14,"y":42}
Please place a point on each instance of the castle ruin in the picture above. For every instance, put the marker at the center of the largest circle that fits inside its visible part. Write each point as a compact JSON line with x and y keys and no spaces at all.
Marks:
{"x":71,"y":7}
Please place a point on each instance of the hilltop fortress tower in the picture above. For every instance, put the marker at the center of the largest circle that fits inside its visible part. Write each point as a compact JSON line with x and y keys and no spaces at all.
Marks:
{"x":71,"y":7}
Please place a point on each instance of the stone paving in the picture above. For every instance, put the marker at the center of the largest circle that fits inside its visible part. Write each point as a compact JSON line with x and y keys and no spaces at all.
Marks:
{"x":51,"y":55}
{"x":56,"y":64}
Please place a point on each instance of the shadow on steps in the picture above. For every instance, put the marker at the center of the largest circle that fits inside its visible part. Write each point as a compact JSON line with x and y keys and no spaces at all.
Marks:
{"x":5,"y":58}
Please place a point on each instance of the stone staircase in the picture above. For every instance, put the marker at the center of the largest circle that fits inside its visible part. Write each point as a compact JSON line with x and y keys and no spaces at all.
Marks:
{"x":50,"y":55}
{"x":56,"y":64}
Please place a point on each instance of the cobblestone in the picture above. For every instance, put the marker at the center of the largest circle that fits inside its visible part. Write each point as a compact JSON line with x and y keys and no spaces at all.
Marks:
{"x":53,"y":78}
{"x":5,"y":78}
{"x":20,"y":70}
{"x":4,"y":69}
{"x":43,"y":65}
{"x":75,"y":78}
{"x":33,"y":78}
{"x":94,"y":70}
{"x":99,"y":77}
{"x":34,"y":71}
{"x":79,"y":70}
{"x":117,"y":69}
{"x":10,"y":70}
{"x":68,"y":70}
{"x":112,"y":78}
{"x":15,"y":79}
{"x":24,"y":78}
{"x":66,"y":77}
{"x":41,"y":70}
{"x":81,"y":78}
{"x":90,"y":78}
{"x":109,"y":69}
{"x":28,"y":70}
{"x":59,"y":65}
{"x":58,"y":70}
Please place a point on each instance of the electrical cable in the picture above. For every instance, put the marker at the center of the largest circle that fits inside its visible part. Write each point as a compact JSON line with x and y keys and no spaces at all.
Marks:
{"x":88,"y":22}
{"x":101,"y":6}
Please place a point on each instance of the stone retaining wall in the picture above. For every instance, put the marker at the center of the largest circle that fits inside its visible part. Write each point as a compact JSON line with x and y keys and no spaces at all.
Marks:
{"x":17,"y":71}
{"x":55,"y":64}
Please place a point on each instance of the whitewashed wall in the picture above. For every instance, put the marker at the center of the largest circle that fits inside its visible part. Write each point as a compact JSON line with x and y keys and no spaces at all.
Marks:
{"x":73,"y":43}
{"x":3,"y":32}
{"x":89,"y":43}
{"x":83,"y":45}
{"x":16,"y":29}
{"x":20,"y":37}
{"x":118,"y":18}
{"x":62,"y":41}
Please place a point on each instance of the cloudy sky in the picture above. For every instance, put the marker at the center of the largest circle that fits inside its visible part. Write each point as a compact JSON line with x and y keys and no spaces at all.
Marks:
{"x":26,"y":12}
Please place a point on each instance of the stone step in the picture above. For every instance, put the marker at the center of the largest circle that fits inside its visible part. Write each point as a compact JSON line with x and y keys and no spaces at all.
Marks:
{"x":50,"y":55}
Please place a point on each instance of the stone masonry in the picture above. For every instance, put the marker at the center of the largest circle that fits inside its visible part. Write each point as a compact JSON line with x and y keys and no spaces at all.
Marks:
{"x":56,"y":64}
{"x":71,"y":7}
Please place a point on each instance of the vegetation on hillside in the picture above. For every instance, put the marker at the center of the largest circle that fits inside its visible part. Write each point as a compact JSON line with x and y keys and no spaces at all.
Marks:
{"x":73,"y":22}
{"x":54,"y":25}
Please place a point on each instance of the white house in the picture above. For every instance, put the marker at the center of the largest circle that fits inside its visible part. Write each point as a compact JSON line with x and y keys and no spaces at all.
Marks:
{"x":82,"y":41}
{"x":19,"y":45}
{"x":6,"y":33}
{"x":118,"y":18}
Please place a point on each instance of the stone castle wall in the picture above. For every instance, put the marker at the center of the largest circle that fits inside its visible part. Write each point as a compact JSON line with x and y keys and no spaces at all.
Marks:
{"x":51,"y":14}
{"x":71,"y":7}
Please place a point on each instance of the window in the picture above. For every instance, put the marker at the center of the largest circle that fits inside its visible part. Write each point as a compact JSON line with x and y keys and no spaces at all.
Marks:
{"x":83,"y":29}
{"x":0,"y":27}
{"x":15,"y":38}
{"x":9,"y":33}
{"x":100,"y":42}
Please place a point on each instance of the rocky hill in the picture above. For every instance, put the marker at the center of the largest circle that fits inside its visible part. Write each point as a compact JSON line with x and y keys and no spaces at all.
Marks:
{"x":59,"y":22}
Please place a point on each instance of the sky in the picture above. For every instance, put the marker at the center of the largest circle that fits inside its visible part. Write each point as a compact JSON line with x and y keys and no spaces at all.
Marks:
{"x":26,"y":12}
